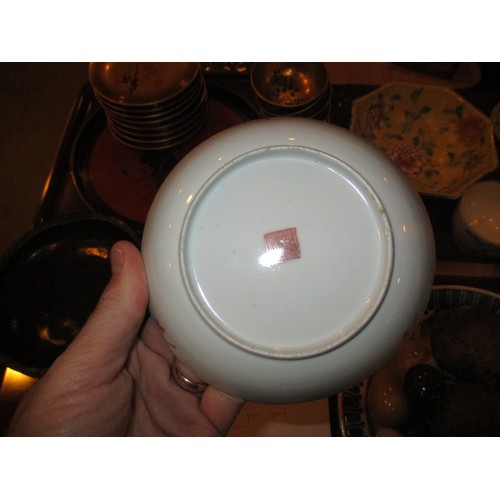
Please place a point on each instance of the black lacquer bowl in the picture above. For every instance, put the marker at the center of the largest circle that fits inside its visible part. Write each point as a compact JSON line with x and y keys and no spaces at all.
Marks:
{"x":50,"y":281}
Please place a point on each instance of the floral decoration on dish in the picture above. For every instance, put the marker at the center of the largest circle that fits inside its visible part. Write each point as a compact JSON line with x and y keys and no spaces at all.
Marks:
{"x":442,"y":142}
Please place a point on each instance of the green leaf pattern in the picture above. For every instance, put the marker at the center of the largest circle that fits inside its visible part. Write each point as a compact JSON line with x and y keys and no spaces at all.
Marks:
{"x":425,"y":135}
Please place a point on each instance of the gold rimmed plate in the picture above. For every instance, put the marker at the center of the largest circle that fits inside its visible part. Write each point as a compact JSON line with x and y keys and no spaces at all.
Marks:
{"x":141,"y":83}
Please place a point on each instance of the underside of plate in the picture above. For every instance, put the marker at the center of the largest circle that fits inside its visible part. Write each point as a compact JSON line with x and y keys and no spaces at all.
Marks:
{"x":269,"y":243}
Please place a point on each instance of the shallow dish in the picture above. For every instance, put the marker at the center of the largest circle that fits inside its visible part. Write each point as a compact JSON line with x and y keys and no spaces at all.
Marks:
{"x":442,"y":142}
{"x":50,"y":282}
{"x":286,"y":258}
{"x":354,"y":420}
{"x":143,"y":83}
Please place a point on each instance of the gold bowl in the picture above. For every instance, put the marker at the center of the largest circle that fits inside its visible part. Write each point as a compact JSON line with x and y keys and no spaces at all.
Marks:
{"x":288,"y":87}
{"x":141,"y":83}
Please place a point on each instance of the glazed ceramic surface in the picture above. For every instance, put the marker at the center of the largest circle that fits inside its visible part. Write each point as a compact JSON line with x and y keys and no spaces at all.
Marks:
{"x":442,"y":142}
{"x":476,"y":220}
{"x":286,"y":259}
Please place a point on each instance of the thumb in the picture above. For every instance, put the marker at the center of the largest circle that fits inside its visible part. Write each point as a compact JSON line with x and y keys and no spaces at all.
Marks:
{"x":103,"y":344}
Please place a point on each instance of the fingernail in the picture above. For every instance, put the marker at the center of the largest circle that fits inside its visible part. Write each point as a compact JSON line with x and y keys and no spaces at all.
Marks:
{"x":117,"y":260}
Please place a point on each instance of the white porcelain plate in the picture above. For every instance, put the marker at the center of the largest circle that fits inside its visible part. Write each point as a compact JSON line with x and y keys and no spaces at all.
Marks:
{"x":275,"y":252}
{"x":287,"y":252}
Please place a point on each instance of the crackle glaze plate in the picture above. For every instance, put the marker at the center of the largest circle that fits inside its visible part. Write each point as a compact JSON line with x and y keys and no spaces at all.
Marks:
{"x":442,"y":142}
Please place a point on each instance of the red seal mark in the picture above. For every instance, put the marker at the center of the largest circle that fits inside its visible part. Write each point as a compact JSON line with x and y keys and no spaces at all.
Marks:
{"x":283,"y":245}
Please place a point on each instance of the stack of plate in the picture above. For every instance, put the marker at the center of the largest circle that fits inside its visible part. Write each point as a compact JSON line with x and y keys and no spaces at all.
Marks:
{"x":151,"y":106}
{"x":292,"y":89}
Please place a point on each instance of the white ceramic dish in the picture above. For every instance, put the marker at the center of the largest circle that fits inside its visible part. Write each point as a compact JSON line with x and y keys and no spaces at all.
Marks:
{"x":287,"y":259}
{"x":476,"y":220}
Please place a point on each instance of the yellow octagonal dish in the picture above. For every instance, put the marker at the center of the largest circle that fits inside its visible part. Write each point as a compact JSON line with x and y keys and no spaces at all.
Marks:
{"x":442,"y":142}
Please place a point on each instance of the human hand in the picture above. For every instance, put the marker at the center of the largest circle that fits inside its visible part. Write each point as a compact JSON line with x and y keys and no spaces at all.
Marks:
{"x":116,"y":377}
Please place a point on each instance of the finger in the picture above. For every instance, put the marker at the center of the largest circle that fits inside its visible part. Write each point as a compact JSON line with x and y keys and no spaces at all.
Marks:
{"x":220,"y":408}
{"x":104,"y":342}
{"x":152,"y":336}
{"x":186,"y":379}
